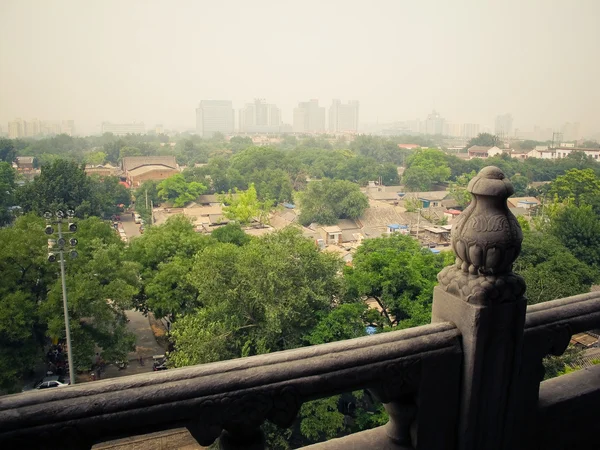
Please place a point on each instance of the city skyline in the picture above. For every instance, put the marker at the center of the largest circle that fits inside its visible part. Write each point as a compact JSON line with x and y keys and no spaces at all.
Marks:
{"x":260,"y":117}
{"x":399,"y":60}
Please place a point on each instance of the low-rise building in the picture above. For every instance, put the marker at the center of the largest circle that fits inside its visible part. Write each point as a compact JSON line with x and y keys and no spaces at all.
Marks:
{"x":25,"y":163}
{"x":523,"y":202}
{"x":103,"y":170}
{"x":331,"y":235}
{"x":479,"y":151}
{"x":138,"y":169}
{"x":397,"y":228}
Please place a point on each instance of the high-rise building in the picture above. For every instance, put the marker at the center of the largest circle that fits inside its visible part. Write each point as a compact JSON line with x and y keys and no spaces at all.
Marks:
{"x":309,"y":117}
{"x":434,"y":123}
{"x":214,"y":116}
{"x":343,"y":118}
{"x":16,"y":129}
{"x":68,"y":127}
{"x":470,"y":130}
{"x":571,"y":131}
{"x":123,"y":129}
{"x":259,"y":117}
{"x":32,"y":128}
{"x":452,"y":129}
{"x":504,"y":125}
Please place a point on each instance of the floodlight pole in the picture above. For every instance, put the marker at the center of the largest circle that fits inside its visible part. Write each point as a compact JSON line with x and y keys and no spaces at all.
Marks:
{"x":66,"y":309}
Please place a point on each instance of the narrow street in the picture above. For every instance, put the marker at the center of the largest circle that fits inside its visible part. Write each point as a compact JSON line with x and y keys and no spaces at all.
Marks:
{"x":131,"y":228}
{"x":146,"y":345}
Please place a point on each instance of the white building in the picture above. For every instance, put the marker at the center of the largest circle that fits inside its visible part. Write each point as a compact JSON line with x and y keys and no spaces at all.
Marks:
{"x":504,"y":125}
{"x":123,"y":129}
{"x":453,"y":129}
{"x":309,"y":117}
{"x":214,"y":116}
{"x":343,"y":118}
{"x":434,"y":123}
{"x":470,"y":130}
{"x":563,"y":152}
{"x":259,"y":117}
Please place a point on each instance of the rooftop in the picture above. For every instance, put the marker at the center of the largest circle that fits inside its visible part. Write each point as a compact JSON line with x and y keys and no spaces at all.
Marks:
{"x":133,"y":162}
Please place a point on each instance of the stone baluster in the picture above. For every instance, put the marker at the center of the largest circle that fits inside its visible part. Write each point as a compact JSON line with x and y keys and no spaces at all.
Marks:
{"x":485,"y":299}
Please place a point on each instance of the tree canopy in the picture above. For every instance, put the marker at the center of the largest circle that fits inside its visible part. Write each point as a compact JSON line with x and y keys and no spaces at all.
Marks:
{"x":425,"y":168}
{"x":64,"y":185}
{"x":485,"y":140}
{"x":326,"y":201}
{"x":550,"y":270}
{"x":100,"y":285}
{"x":261,"y":297}
{"x":399,"y":275}
{"x":179,"y":191}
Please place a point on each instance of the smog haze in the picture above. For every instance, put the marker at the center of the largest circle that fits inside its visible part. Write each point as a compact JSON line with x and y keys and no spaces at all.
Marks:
{"x":152,"y":61}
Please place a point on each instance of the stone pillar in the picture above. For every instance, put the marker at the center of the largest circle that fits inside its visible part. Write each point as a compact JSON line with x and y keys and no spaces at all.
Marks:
{"x":485,"y":299}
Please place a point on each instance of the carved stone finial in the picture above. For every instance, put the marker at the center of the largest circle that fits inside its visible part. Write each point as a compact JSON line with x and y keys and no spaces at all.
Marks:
{"x":487,"y":240}
{"x":487,"y":237}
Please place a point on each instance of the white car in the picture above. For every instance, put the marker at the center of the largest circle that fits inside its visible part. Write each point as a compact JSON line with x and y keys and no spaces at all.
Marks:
{"x":51,"y":382}
{"x":138,"y":218}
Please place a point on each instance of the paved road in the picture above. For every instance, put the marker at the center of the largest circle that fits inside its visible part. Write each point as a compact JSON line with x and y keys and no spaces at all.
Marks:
{"x":138,"y":324}
{"x":145,"y":340}
{"x":131,"y":228}
{"x":146,"y":347}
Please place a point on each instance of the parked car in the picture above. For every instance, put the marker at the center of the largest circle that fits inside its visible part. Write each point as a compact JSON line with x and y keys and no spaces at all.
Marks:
{"x":137,"y":218}
{"x":52,"y":382}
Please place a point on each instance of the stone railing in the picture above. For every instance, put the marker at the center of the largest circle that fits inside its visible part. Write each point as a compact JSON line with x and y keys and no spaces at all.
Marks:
{"x":471,"y":380}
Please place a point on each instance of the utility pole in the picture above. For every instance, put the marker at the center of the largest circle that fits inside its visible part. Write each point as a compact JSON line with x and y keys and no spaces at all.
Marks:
{"x":418,"y":222}
{"x":61,"y":242}
{"x":65,"y":307}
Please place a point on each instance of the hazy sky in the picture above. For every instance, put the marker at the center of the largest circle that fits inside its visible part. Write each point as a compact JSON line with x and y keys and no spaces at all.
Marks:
{"x":153,"y":61}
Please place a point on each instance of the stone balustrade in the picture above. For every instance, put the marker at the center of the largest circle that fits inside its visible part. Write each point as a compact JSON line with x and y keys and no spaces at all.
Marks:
{"x":471,"y":380}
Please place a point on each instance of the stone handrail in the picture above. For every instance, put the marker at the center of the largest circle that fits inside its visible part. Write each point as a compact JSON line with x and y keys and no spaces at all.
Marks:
{"x":568,"y":411}
{"x":235,"y":396}
{"x":548,"y":330}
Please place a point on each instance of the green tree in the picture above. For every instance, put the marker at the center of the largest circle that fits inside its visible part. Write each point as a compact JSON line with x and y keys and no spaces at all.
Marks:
{"x":7,"y":192}
{"x":262,"y":297}
{"x":8,"y":152}
{"x":485,"y":140}
{"x":166,"y":253}
{"x":321,"y":419}
{"x":578,"y":228}
{"x":231,"y":233}
{"x":520,"y":184}
{"x":169,"y":292}
{"x":346,"y":321}
{"x":100,"y":286}
{"x":458,"y":190}
{"x":326,"y":201}
{"x":60,"y":185}
{"x":129,"y":151}
{"x":95,"y":158}
{"x":591,"y":144}
{"x":577,"y":186}
{"x":108,"y":193}
{"x":399,"y":275}
{"x":245,"y":207}
{"x":176,"y":189}
{"x":426,"y":168}
{"x":549,"y":269}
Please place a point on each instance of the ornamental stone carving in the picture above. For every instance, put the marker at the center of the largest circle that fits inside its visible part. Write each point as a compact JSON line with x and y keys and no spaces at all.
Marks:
{"x":487,"y":240}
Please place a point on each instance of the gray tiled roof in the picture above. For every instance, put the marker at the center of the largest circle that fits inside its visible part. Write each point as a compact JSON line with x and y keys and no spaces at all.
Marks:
{"x":133,"y":162}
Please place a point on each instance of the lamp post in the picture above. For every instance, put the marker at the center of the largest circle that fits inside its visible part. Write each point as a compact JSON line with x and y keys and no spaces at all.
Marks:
{"x":72,"y":228}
